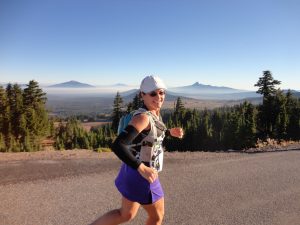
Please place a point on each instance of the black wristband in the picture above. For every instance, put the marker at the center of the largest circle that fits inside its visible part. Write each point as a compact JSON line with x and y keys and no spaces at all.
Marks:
{"x":168,"y":133}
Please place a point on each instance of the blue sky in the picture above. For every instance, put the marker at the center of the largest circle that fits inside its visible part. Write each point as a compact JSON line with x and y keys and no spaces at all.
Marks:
{"x":102,"y":42}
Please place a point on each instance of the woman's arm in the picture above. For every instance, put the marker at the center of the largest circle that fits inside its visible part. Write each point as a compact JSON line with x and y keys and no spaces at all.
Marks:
{"x":122,"y":149}
{"x":121,"y":146}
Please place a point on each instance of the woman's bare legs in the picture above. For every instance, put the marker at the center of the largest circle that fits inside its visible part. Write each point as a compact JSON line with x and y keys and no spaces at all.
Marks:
{"x":155,"y":212}
{"x":125,"y":213}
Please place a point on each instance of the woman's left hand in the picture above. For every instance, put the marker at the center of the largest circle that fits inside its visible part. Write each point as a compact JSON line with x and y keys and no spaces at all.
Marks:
{"x":176,"y":132}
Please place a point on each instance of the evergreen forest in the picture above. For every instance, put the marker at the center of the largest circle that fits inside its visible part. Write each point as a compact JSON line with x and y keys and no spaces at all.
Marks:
{"x":24,"y":122}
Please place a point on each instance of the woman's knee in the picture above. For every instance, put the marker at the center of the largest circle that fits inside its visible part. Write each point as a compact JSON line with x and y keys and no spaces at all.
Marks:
{"x":159,"y":217}
{"x":127,"y":215}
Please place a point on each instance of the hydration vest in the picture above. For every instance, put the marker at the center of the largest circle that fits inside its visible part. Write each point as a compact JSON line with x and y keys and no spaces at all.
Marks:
{"x":151,"y":149}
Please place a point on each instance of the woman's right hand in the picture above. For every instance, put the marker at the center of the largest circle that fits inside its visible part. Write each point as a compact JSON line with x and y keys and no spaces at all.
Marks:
{"x":148,"y":173}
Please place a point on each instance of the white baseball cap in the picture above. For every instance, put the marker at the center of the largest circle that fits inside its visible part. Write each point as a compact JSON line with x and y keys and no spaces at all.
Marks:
{"x":151,"y":83}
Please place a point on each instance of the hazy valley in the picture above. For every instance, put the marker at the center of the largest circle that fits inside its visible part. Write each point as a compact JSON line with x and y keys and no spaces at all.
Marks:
{"x":73,"y":97}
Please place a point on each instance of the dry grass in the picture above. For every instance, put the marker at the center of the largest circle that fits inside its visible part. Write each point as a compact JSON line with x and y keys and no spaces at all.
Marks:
{"x":270,"y":145}
{"x":274,"y":143}
{"x":51,"y":154}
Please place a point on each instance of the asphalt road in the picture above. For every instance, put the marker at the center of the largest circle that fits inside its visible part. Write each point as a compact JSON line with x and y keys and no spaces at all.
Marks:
{"x":200,"y":188}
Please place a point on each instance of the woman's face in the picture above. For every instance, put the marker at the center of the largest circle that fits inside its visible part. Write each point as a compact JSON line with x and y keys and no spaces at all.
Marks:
{"x":154,"y":99}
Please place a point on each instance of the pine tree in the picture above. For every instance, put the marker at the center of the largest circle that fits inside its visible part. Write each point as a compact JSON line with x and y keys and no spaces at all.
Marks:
{"x":251,"y":115}
{"x":137,"y":102}
{"x":33,"y":95}
{"x":267,"y":115}
{"x":7,"y":128}
{"x":266,"y":84}
{"x":35,"y":114}
{"x":18,"y":123}
{"x":27,"y":143}
{"x":192,"y":139}
{"x":179,"y":113}
{"x":3,"y":110}
{"x":217,"y":127}
{"x":281,"y":120}
{"x":179,"y":106}
{"x":293,"y":112}
{"x":205,"y":130}
{"x":117,"y":111}
{"x":246,"y":133}
{"x":129,"y":107}
{"x":231,"y":130}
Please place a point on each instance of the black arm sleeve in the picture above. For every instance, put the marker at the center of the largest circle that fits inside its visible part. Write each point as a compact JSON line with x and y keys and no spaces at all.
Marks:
{"x":122,"y":150}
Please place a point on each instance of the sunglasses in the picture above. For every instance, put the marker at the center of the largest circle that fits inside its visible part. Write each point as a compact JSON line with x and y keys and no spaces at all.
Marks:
{"x":153,"y":93}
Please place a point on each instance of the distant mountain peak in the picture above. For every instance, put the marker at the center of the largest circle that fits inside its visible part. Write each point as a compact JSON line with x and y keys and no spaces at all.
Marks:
{"x":72,"y":84}
{"x":203,"y":89}
{"x":197,"y":84}
{"x":120,"y":85}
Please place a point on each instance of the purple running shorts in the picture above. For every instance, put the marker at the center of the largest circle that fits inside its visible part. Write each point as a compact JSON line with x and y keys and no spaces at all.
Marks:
{"x":136,"y":188}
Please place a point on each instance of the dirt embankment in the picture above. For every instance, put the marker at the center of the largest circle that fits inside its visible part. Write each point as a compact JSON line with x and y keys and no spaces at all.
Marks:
{"x":52,"y":155}
{"x":268,"y":146}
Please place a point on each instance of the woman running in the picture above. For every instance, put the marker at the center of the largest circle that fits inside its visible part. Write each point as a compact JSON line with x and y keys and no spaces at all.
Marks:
{"x":139,"y":146}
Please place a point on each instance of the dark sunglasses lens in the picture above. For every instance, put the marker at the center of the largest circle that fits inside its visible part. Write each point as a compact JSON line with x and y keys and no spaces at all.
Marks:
{"x":153,"y":94}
